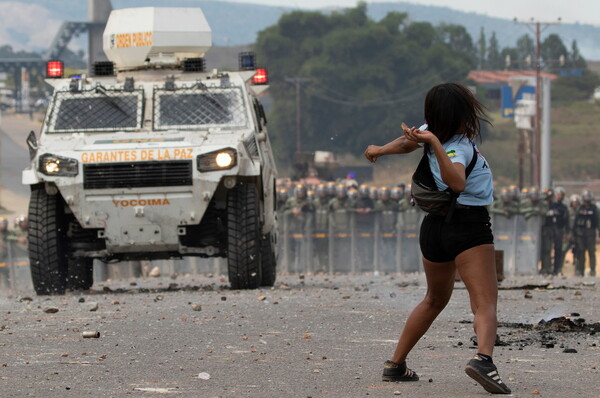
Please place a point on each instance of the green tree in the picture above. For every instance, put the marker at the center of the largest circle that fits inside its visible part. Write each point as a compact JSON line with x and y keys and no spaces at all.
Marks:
{"x":525,"y":52}
{"x":481,"y":51}
{"x":552,"y":49}
{"x":494,"y":60}
{"x":576,"y":59}
{"x":365,"y":77}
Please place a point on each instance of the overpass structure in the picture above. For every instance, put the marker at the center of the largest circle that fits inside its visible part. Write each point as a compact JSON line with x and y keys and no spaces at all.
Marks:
{"x":20,"y":68}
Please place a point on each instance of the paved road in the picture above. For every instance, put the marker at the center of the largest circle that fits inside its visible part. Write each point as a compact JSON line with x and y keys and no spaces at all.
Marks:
{"x":14,"y":157}
{"x":318,"y":336}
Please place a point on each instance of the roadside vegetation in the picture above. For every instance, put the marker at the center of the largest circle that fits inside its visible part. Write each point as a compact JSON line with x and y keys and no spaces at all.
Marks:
{"x":357,"y":79}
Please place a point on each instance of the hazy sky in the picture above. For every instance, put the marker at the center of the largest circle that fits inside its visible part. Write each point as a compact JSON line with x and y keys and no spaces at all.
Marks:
{"x":582,"y":11}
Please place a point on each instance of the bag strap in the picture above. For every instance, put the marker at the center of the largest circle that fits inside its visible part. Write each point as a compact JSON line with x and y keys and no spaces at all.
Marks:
{"x":468,"y":171}
{"x":471,"y":165}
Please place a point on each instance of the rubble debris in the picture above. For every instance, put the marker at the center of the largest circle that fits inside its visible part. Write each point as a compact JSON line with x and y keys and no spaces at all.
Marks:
{"x":155,"y":272}
{"x":92,"y":306}
{"x":203,"y":376}
{"x":50,"y":310}
{"x":570,"y":351}
{"x":196,"y":307}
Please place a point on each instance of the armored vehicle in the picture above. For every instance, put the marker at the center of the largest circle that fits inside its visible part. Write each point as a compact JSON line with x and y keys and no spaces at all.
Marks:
{"x":152,"y":157}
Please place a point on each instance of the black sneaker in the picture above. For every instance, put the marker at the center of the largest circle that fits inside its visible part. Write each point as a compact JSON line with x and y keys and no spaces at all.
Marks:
{"x":485,"y":373}
{"x":394,"y":372}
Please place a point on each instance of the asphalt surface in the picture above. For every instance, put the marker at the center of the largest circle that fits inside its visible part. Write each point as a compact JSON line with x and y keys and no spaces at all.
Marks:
{"x":312,"y":336}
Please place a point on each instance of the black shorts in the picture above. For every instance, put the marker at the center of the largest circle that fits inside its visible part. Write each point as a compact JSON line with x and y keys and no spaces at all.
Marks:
{"x":442,"y":241}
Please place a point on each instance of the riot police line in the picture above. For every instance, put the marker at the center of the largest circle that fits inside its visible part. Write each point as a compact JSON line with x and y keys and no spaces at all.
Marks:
{"x":388,"y":242}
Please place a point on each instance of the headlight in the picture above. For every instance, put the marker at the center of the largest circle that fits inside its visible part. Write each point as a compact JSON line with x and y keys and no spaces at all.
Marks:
{"x":218,"y":160}
{"x":53,"y":165}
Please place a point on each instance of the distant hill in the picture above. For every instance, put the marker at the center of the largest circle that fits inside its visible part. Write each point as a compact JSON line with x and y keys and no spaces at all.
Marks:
{"x":31,"y":24}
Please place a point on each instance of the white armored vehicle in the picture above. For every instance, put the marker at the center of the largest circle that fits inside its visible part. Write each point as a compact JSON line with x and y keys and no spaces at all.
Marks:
{"x":152,"y":158}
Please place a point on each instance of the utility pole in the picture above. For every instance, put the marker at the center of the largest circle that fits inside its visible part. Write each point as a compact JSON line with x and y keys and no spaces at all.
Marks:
{"x":537,"y":28}
{"x":298,"y":81}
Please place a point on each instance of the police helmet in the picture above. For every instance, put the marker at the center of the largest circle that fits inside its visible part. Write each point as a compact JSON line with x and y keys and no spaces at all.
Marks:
{"x":397,"y":193}
{"x":384,"y":193}
{"x":534,"y":193}
{"x":586,"y":196}
{"x":560,"y":193}
{"x":321,"y":191}
{"x":574,"y":200}
{"x":341,"y":191}
{"x":300,"y":191}
{"x":373,"y":193}
{"x":364,"y":190}
{"x":352,"y":193}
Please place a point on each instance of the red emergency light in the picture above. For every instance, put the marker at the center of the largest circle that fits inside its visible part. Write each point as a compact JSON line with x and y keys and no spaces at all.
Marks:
{"x":54,"y":69}
{"x":261,"y":77}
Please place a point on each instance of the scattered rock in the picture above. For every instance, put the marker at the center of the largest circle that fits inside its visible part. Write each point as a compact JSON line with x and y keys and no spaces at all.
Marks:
{"x":536,"y":392}
{"x":196,"y":307}
{"x":25,"y":299}
{"x":51,"y":310}
{"x":115,"y":302}
{"x":570,"y":351}
{"x":204,"y":376}
{"x":132,"y":283}
{"x":262,"y":298}
{"x":528,"y":295}
{"x":155,"y":272}
{"x":223,"y":298}
{"x":397,"y":393}
{"x":345,"y":297}
{"x":307,"y":336}
{"x":92,"y":306}
{"x":81,"y":300}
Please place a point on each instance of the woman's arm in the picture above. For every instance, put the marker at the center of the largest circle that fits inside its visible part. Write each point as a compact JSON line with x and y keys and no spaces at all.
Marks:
{"x":399,"y":146}
{"x":453,"y":174}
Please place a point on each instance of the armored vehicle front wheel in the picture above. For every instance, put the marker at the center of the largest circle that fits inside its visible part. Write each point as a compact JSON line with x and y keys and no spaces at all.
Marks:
{"x":47,"y":255}
{"x":243,"y":236}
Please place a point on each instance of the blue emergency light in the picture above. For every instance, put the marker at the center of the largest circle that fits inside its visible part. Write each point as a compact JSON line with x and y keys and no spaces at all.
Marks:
{"x":247,"y":61}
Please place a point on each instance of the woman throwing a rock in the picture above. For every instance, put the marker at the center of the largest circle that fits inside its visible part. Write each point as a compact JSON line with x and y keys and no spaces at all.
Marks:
{"x":462,"y":241}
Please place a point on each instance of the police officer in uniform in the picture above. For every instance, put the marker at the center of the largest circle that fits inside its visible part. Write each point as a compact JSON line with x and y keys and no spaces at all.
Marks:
{"x":534,"y":205}
{"x":553,"y":229}
{"x":505,"y":205}
{"x":340,"y":208}
{"x":321,"y":227}
{"x":570,"y":244}
{"x":4,"y":242}
{"x":297,"y":210}
{"x":586,"y":227}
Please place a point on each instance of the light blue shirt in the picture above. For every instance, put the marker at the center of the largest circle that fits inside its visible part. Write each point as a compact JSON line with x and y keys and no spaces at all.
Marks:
{"x":479,"y":190}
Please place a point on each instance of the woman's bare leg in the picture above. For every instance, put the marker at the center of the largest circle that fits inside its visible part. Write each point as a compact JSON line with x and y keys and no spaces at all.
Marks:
{"x":477,"y":267}
{"x":440,"y":282}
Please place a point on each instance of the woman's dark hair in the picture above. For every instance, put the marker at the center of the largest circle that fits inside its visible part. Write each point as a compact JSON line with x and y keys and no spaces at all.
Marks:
{"x":450,"y":109}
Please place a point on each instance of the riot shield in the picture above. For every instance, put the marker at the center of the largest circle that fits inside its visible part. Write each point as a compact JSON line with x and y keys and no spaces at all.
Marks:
{"x":364,"y":241}
{"x":296,"y":243}
{"x":409,"y":225}
{"x":505,"y":233}
{"x":341,"y":242}
{"x":320,"y":241}
{"x":528,"y":245}
{"x":385,"y":241}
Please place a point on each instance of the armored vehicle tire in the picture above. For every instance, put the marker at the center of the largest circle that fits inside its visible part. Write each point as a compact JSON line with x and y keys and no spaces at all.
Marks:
{"x":243,"y":236}
{"x":47,"y":259}
{"x":268,"y":261}
{"x":80,"y":273}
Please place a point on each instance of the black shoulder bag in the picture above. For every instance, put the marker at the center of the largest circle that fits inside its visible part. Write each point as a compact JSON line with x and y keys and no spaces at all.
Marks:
{"x":427,"y":196}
